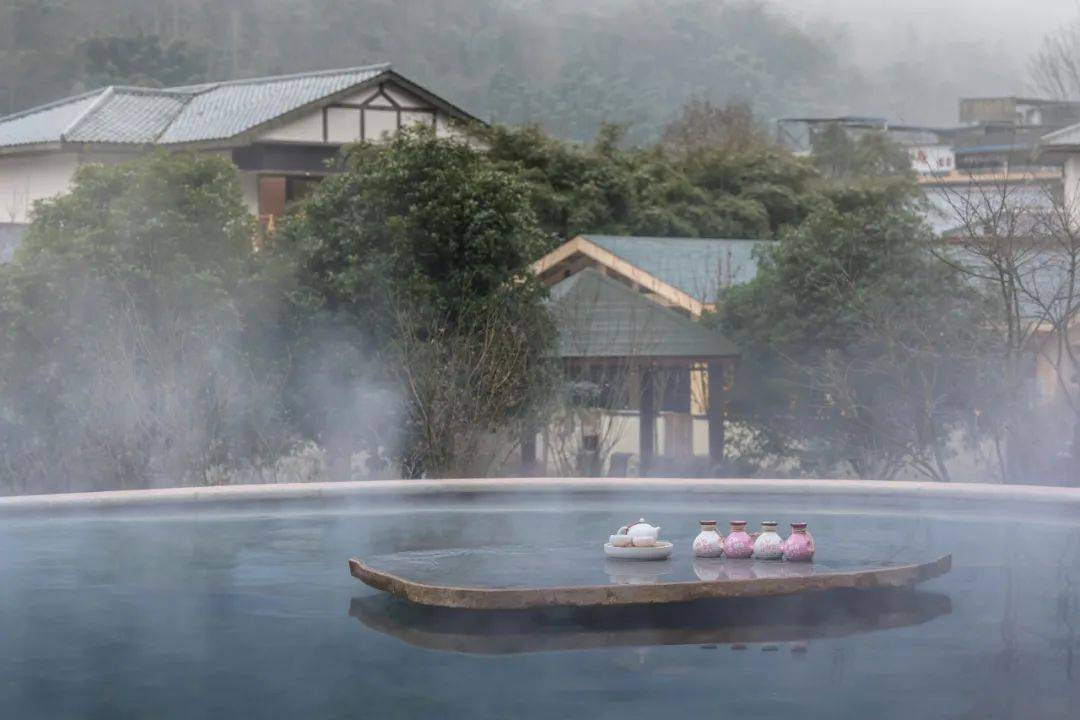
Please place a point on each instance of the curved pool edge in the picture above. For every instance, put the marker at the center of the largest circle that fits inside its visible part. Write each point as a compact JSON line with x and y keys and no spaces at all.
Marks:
{"x":1067,"y":499}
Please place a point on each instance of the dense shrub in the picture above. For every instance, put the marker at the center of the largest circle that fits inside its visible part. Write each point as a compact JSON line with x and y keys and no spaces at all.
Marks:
{"x":138,"y":339}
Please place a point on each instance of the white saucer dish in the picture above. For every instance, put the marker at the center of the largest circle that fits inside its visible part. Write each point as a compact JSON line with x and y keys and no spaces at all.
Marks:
{"x":660,"y":551}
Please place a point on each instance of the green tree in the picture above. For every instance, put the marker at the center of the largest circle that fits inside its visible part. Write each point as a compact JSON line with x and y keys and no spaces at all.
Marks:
{"x":137,"y":342}
{"x":861,"y":348}
{"x":607,"y":188}
{"x":412,"y":251}
{"x":143,"y":60}
{"x":843,"y":156}
{"x":701,"y":125}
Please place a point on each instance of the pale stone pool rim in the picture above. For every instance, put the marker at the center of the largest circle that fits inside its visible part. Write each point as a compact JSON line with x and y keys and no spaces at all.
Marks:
{"x":1067,"y":499}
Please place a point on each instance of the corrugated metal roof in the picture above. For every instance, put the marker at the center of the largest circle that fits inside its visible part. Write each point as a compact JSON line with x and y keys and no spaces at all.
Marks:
{"x":46,"y":123}
{"x":601,"y":317}
{"x":700,"y":267}
{"x":1006,"y":147}
{"x":1045,"y":281}
{"x":192,"y":113}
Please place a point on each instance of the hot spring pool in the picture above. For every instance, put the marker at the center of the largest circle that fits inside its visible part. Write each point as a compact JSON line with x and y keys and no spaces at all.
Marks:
{"x":239,"y":604}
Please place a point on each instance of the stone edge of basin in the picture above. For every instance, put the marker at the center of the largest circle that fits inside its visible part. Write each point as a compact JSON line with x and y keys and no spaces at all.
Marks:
{"x":171,"y":497}
{"x":521,"y":598}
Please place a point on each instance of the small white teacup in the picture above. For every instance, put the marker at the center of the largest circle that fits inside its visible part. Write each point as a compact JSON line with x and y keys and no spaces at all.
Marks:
{"x":620,"y":540}
{"x":644,"y":541}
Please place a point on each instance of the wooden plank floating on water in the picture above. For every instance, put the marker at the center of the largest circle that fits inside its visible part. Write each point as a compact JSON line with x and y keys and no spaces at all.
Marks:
{"x":520,"y":597}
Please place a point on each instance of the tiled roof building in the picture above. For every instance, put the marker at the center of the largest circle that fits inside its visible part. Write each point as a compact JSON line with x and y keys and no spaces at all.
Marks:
{"x":280,"y":130}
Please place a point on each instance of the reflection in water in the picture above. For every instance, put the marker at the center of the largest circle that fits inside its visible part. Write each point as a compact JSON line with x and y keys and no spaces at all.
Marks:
{"x":1066,"y":603}
{"x":623,"y":572}
{"x":709,"y":569}
{"x":733,"y":621}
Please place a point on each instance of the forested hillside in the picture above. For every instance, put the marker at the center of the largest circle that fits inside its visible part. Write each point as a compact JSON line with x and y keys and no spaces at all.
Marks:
{"x":568,"y":65}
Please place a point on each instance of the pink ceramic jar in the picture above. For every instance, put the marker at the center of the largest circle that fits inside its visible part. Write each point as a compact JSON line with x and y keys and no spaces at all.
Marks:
{"x":708,"y":543}
{"x":738,"y":544}
{"x":799,"y":547}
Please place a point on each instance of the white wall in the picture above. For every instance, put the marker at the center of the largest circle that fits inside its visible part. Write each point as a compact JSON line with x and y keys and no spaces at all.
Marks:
{"x":932,"y":159}
{"x":249,"y":185}
{"x":379,"y":123}
{"x":619,"y":432}
{"x":110,"y":158}
{"x":360,"y":98}
{"x":404,"y":99}
{"x":25,"y":179}
{"x":306,"y":128}
{"x":444,"y":128}
{"x":342,"y":124}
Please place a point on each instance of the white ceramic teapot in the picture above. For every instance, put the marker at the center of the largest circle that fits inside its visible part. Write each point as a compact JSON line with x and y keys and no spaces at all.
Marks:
{"x":640,"y":529}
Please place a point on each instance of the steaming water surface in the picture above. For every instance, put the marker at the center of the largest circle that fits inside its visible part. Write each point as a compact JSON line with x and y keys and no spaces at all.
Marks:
{"x":247,"y":614}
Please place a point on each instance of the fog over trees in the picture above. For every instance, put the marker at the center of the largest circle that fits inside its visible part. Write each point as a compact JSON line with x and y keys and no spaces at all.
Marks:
{"x":152,"y":333}
{"x":569,"y":65}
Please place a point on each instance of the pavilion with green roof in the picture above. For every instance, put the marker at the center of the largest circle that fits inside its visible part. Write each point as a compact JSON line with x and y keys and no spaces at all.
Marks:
{"x":628,"y":311}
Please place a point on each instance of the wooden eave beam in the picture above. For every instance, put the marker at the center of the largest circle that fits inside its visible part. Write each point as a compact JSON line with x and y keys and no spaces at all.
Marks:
{"x":582,"y":245}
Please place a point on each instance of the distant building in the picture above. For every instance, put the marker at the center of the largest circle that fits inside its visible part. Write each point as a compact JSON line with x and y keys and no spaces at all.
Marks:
{"x":283,"y":132}
{"x":997,"y":144}
{"x":930,"y":149}
{"x":1063,"y":146}
{"x":995,"y":135}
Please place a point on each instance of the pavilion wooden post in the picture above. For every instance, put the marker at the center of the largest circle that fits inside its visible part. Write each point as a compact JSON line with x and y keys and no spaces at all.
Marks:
{"x":717,"y":397}
{"x":646,"y":420}
{"x":528,"y":451}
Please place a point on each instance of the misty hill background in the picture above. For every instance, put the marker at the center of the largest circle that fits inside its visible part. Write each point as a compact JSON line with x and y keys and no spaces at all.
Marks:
{"x":568,"y":64}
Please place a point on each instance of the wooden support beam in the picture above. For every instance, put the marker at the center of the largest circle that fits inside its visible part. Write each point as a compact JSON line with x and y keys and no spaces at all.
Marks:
{"x":647,"y":420}
{"x":717,"y":398}
{"x":669,"y":294}
{"x":528,"y":452}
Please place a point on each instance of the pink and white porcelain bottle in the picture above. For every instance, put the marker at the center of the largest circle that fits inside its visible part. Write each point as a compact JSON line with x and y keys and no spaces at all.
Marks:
{"x":799,"y":547}
{"x":708,"y":543}
{"x":738,"y":544}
